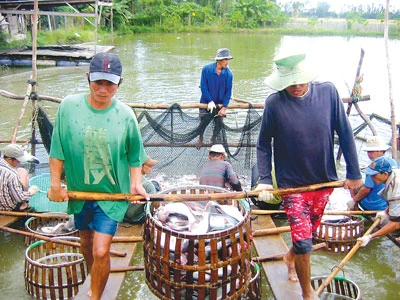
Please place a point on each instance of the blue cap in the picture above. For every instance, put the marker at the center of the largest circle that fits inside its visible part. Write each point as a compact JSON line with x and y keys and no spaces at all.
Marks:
{"x":105,"y":66}
{"x":380,"y":165}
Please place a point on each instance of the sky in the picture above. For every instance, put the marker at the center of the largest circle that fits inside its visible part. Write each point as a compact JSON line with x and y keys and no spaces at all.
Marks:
{"x":338,"y":5}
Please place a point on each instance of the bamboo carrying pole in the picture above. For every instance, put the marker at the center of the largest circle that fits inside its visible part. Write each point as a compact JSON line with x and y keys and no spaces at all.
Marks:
{"x":346,"y":259}
{"x":49,"y":239}
{"x":91,"y":196}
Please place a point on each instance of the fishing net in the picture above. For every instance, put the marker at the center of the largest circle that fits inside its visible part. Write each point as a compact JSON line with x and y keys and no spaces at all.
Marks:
{"x":169,"y":136}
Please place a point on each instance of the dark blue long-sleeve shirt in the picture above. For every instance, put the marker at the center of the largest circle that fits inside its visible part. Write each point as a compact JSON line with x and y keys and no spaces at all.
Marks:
{"x":302,"y":131}
{"x":214,"y":87}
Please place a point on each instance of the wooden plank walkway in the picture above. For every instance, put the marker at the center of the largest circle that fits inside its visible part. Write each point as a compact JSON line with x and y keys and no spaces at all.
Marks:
{"x":115,"y":280}
{"x":276,"y":271}
{"x":55,"y":55}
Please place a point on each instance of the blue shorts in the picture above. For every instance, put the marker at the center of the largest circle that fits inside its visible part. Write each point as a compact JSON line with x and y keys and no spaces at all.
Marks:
{"x":93,"y":217}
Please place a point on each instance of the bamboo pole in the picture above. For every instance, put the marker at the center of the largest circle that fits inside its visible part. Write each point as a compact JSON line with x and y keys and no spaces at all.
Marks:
{"x":49,"y":239}
{"x":389,"y":70}
{"x":22,"y":111}
{"x":31,"y":87}
{"x":280,"y":256}
{"x":349,"y":106}
{"x":92,"y":196}
{"x":30,"y":214}
{"x":271,"y":231}
{"x":127,"y":239}
{"x":326,"y":212}
{"x":245,"y":104}
{"x":346,"y":259}
{"x":389,"y":235}
{"x":126,"y":269}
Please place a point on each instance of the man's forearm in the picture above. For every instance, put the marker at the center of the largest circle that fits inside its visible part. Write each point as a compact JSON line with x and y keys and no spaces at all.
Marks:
{"x":56,"y":170}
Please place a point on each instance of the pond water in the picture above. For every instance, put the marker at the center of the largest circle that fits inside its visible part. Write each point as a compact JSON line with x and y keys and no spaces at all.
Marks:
{"x":165,"y":68}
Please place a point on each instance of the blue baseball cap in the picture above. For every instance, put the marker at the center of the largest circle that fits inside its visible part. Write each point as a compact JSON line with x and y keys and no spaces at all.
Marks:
{"x":380,"y":165}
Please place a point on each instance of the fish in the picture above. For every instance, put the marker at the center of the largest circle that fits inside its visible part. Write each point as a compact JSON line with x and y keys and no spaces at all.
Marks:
{"x":64,"y":227}
{"x":175,"y":208}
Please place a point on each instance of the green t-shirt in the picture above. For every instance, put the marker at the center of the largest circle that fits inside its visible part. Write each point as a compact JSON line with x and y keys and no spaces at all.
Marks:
{"x":97,"y":147}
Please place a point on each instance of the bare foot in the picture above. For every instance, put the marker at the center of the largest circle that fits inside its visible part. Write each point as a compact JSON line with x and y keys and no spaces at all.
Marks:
{"x":89,"y":293}
{"x":292,"y":275}
{"x":199,"y":144}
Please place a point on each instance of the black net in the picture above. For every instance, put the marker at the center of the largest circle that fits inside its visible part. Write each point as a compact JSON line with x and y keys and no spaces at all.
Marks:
{"x":170,"y":136}
{"x":45,"y":127}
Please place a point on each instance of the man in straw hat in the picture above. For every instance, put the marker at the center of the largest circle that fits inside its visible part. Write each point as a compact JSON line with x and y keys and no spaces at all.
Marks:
{"x":367,"y":197}
{"x":218,"y":172}
{"x":383,"y":172}
{"x":301,"y":119}
{"x":14,"y":180}
{"x":216,"y":91}
{"x":97,"y":139}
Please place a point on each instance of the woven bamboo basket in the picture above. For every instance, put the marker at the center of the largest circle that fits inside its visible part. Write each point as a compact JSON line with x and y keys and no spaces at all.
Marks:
{"x":34,"y":224}
{"x":54,"y":271}
{"x":338,"y":288}
{"x":254,"y":291}
{"x":218,"y":263}
{"x":339,"y":237}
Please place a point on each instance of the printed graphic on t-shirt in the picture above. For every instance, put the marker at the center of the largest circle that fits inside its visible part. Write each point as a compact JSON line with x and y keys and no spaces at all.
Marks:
{"x":97,"y":160}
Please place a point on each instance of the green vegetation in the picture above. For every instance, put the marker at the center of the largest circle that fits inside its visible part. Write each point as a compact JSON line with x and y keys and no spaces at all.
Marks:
{"x":138,"y":16}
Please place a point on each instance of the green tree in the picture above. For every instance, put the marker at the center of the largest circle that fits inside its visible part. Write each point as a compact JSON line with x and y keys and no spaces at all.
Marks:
{"x":322,"y":10}
{"x":355,"y":17}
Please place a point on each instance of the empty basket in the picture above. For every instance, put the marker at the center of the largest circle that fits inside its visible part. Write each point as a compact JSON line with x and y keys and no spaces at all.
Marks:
{"x":341,"y":236}
{"x":338,"y":288}
{"x":54,"y":271}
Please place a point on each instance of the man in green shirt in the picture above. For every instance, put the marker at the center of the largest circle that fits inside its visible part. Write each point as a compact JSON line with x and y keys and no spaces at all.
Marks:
{"x":97,"y":140}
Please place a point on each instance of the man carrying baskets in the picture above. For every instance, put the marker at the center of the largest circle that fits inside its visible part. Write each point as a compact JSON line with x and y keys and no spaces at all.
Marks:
{"x":301,"y":119}
{"x":96,"y":138}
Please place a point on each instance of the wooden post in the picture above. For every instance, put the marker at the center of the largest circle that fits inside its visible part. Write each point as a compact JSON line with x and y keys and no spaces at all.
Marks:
{"x":392,"y":103}
{"x":34,"y":79}
{"x":96,"y":20}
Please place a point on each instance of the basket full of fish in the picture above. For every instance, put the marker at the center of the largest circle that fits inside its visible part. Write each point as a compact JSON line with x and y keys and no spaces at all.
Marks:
{"x":51,"y":225}
{"x":198,"y":249}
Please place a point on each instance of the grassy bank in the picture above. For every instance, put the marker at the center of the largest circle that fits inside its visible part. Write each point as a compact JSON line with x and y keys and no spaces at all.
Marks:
{"x":304,"y":27}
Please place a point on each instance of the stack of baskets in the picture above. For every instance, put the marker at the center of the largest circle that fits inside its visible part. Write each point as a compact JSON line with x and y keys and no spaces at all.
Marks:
{"x":341,"y":236}
{"x":54,"y":270}
{"x":218,"y":263}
